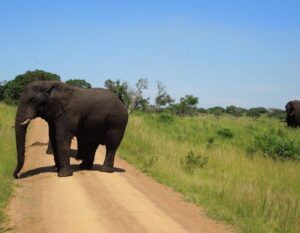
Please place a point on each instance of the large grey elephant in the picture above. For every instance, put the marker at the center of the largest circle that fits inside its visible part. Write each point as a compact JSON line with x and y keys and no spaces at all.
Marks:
{"x":95,"y":116}
{"x":293,"y":113}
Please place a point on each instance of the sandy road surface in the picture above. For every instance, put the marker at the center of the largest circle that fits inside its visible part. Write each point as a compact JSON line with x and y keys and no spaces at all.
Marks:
{"x":93,"y":201}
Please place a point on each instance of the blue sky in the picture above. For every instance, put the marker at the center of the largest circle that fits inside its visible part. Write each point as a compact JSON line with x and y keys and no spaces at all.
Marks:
{"x":243,"y":53}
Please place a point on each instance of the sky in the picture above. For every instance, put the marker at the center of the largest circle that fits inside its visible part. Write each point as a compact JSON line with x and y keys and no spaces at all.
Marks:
{"x":242,"y":53}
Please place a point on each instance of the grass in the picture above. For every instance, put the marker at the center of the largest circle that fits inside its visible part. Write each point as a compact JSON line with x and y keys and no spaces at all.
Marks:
{"x":7,"y":156}
{"x":237,"y":182}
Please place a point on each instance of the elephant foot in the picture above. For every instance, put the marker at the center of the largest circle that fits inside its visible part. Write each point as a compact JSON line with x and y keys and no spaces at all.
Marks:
{"x":106,"y":168}
{"x":65,"y":172}
{"x":85,"y":166}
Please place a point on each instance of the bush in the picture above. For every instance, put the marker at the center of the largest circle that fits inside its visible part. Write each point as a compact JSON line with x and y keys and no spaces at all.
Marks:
{"x":278,"y":113}
{"x":254,"y":113}
{"x":217,"y":111}
{"x":79,"y":83}
{"x":2,"y":89}
{"x":235,"y":111}
{"x":276,"y":145}
{"x":210,"y":140}
{"x":193,"y":161}
{"x":186,"y":107}
{"x":225,"y":133}
{"x":165,"y":118}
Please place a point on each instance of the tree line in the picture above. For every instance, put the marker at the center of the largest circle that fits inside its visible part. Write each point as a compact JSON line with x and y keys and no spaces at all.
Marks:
{"x":133,"y":98}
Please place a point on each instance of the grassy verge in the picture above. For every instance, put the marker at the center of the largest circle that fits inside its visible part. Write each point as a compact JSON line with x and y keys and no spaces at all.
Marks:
{"x":7,"y":156}
{"x":231,"y":176}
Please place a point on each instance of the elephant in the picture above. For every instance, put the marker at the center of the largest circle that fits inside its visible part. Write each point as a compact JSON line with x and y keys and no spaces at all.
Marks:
{"x":292,"y":109}
{"x":95,"y":116}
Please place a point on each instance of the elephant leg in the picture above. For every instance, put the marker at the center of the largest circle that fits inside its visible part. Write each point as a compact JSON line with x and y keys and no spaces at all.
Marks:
{"x":109,"y":159}
{"x":112,"y":142}
{"x":63,"y":144}
{"x":88,"y":159}
{"x":52,"y":141}
{"x":81,"y":150}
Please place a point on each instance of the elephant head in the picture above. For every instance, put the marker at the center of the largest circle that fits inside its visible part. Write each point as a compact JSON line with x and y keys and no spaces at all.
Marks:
{"x":289,"y":108}
{"x":46,"y":99}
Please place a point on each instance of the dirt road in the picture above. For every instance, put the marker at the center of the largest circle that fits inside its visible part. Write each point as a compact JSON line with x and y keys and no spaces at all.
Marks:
{"x":92,"y":201}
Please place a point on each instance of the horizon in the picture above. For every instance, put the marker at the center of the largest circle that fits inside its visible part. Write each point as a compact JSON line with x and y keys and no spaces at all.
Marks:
{"x":233,"y":53}
{"x":152,"y":101}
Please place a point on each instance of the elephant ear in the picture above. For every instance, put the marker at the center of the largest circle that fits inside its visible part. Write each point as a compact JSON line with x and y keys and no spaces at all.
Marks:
{"x":59,"y":99}
{"x":289,"y":108}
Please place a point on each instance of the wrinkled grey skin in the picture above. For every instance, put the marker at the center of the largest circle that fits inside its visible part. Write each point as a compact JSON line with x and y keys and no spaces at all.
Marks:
{"x":95,"y":116}
{"x":292,"y":109}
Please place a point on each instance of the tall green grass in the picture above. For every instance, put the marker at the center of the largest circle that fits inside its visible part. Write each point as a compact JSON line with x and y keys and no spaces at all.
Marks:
{"x":7,"y":155}
{"x":242,"y":186}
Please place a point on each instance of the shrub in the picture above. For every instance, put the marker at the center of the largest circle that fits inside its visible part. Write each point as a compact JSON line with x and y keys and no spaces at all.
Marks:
{"x":278,"y":113}
{"x":225,"y":133}
{"x":79,"y":83}
{"x":217,"y":111}
{"x":193,"y":161}
{"x":186,"y":107}
{"x":235,"y":111}
{"x":254,"y":113}
{"x":166,"y":118}
{"x":276,"y":145}
{"x":210,"y":140}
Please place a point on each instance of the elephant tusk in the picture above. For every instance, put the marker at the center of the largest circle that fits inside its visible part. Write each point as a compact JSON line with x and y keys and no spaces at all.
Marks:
{"x":25,"y":122}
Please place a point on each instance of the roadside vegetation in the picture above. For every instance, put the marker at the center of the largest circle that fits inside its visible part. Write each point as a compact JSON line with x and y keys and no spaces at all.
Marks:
{"x":242,"y":170}
{"x":242,"y":165}
{"x":7,"y":155}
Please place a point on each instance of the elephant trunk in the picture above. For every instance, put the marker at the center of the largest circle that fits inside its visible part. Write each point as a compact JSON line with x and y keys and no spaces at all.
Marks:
{"x":20,"y":131}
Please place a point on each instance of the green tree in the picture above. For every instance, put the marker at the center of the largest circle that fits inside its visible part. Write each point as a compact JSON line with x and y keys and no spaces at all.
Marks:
{"x":235,"y":111}
{"x":2,"y":89}
{"x":261,"y":110}
{"x":120,"y":89}
{"x":186,"y":106}
{"x":138,"y":102}
{"x":278,"y":113}
{"x":231,"y":109}
{"x":201,"y":110}
{"x":163,"y":98}
{"x":143,"y":104}
{"x":15,"y":87}
{"x":79,"y":83}
{"x":132,"y":98}
{"x":254,"y":113}
{"x":217,"y":111}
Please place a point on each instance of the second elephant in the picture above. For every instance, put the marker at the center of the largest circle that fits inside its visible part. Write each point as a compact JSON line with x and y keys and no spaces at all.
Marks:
{"x":293,"y":113}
